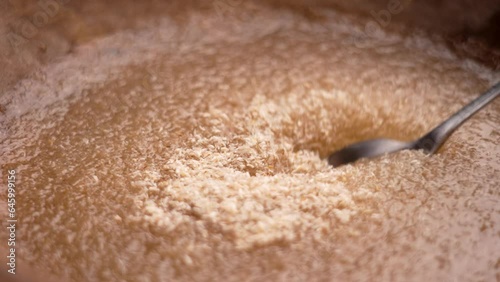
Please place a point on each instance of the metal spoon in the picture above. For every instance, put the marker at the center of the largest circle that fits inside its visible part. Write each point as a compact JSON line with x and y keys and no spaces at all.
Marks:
{"x":430,"y":142}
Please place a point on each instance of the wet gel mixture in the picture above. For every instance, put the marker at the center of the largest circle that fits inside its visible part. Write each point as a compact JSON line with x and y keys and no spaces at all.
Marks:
{"x":196,"y":152}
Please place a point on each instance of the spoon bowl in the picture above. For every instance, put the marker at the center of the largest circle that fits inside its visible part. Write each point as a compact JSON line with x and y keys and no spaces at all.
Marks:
{"x":430,"y":142}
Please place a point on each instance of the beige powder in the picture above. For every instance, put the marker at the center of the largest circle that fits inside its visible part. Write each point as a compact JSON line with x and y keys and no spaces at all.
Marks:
{"x":163,"y":154}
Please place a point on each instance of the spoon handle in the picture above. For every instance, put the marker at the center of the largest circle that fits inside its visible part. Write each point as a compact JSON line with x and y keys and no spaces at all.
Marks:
{"x":434,"y":139}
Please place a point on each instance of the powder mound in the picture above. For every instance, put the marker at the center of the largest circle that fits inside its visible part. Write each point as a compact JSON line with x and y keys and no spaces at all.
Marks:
{"x":239,"y":174}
